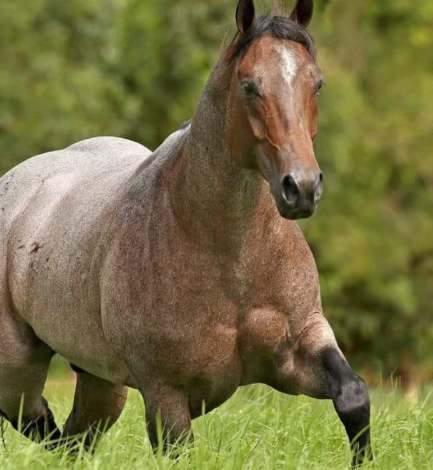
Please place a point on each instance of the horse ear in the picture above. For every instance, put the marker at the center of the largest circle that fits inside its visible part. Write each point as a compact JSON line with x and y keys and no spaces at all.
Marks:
{"x":303,"y":12}
{"x":245,"y":15}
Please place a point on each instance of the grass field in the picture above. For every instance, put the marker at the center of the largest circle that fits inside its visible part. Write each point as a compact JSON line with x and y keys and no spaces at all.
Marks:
{"x":257,"y":429}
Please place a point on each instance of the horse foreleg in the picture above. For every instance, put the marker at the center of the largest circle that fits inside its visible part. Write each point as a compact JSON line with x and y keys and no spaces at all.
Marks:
{"x":351,"y":401}
{"x":168,"y":417}
{"x":323,"y":372}
{"x":97,"y":406}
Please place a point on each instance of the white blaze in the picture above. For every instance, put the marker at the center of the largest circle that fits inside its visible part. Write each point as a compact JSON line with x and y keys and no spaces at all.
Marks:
{"x":288,"y":63}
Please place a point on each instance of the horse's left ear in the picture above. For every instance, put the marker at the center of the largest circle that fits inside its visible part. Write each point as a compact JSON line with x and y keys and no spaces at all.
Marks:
{"x":245,"y":15}
{"x":303,"y":12}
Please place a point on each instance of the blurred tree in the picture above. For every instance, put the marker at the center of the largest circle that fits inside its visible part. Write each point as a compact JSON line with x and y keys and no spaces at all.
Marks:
{"x":165,"y":52}
{"x":374,"y":239}
{"x":55,"y":84}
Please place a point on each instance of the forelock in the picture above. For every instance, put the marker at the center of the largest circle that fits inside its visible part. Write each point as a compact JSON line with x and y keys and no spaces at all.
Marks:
{"x":279,"y":27}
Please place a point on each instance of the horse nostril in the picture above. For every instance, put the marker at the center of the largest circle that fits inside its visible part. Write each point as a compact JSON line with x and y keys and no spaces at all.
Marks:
{"x":290,"y":190}
{"x":319,"y":183}
{"x":318,"y":190}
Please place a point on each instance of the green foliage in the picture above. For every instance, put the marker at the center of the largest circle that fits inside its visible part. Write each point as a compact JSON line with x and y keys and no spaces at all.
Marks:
{"x":55,"y":84}
{"x":373,"y":238}
{"x":135,"y":68}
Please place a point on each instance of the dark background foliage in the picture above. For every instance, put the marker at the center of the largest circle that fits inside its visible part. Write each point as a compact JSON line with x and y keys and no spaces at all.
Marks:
{"x":135,"y":68}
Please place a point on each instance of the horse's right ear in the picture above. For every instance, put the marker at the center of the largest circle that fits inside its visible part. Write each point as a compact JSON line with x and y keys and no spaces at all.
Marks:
{"x":303,"y":12}
{"x":245,"y":15}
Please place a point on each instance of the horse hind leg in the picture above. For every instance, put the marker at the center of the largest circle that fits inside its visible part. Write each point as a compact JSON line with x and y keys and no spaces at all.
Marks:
{"x":24,"y":363}
{"x":97,"y":406}
{"x":40,"y":428}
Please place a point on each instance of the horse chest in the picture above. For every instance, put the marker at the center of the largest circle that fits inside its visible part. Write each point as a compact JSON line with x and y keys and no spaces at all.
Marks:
{"x":215,"y":370}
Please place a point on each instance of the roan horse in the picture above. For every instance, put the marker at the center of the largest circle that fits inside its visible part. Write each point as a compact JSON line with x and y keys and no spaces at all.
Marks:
{"x":180,"y":273}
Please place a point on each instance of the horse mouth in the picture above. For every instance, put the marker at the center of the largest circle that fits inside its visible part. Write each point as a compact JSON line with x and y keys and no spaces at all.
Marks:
{"x":303,"y":211}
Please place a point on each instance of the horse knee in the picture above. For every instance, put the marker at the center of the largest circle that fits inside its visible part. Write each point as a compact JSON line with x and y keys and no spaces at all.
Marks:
{"x":351,"y":401}
{"x":349,"y":391}
{"x":352,"y":404}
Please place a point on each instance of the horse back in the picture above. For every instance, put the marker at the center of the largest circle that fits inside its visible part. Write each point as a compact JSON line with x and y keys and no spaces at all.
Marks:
{"x":85,"y":160}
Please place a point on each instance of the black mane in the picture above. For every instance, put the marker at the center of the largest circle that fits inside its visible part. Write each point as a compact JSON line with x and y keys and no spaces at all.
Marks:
{"x":280,"y":27}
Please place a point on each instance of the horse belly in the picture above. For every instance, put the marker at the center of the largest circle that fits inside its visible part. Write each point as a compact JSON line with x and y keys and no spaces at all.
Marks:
{"x":93,"y":355}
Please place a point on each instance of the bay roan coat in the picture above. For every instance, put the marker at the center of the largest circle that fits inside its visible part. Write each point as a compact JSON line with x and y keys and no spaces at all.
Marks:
{"x":181,"y":272}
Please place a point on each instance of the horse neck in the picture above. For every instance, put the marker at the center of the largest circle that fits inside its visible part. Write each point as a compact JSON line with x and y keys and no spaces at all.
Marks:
{"x":218,"y":200}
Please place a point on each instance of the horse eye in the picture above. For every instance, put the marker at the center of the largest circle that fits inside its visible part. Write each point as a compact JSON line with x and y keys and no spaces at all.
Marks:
{"x":250,"y":88}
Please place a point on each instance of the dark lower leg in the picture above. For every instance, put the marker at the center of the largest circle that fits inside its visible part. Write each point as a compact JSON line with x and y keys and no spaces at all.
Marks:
{"x":3,"y":420}
{"x":40,"y":428}
{"x":168,"y":417}
{"x":24,"y":363}
{"x":351,"y":401}
{"x":97,"y":406}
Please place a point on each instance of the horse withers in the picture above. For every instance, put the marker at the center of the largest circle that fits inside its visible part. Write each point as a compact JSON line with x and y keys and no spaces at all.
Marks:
{"x":181,"y":272}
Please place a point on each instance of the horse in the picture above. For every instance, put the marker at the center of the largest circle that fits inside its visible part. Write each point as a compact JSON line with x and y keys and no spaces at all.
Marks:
{"x":182,"y":272}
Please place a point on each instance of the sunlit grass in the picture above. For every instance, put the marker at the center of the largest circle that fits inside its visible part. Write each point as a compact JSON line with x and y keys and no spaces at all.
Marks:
{"x":257,"y":429}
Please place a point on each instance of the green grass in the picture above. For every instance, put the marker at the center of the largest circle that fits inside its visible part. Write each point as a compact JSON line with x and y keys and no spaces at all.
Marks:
{"x":256,"y":429}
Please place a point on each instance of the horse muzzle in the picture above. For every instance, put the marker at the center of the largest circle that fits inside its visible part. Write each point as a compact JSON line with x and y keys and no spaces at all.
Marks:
{"x":298,"y":194}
